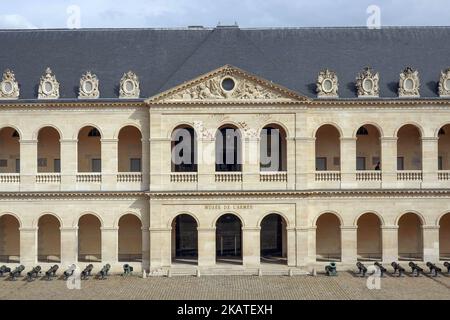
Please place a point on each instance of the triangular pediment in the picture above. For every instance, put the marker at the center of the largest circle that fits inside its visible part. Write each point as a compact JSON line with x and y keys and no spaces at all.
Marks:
{"x":227,"y":84}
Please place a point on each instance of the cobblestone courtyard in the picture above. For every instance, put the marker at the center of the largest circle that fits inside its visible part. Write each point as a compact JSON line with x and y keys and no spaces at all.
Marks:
{"x":345,"y":286}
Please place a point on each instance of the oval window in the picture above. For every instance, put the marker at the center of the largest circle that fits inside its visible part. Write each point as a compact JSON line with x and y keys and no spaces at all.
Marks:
{"x":368,"y":85}
{"x":447,"y":84}
{"x":129,"y":86}
{"x":7,"y":87}
{"x":327,"y":85}
{"x":228,"y":84}
{"x":88,"y":86}
{"x":408,"y":84}
{"x":48,"y":87}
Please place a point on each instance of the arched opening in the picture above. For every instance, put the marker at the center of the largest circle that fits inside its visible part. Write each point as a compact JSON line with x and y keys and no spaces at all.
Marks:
{"x":444,"y":148}
{"x":89,"y":239}
{"x":368,"y":148}
{"x":228,"y":149}
{"x":410,"y":237}
{"x":229,"y":239}
{"x":328,"y":238}
{"x":130,"y":239}
{"x":129,"y":150}
{"x":9,"y":150}
{"x":9,"y":239}
{"x":328,"y":149}
{"x":444,"y":237}
{"x":184,"y":239}
{"x":369,"y":247}
{"x":273,"y":152}
{"x":49,"y":239}
{"x":89,"y":150}
{"x":184,"y":149}
{"x":409,"y":148}
{"x":273,"y":239}
{"x":49,"y":150}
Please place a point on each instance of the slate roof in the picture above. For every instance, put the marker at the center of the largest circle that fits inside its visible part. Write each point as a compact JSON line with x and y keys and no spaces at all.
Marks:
{"x":164,"y":58}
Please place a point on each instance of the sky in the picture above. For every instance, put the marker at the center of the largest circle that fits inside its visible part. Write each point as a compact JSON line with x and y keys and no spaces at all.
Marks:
{"x":28,"y":14}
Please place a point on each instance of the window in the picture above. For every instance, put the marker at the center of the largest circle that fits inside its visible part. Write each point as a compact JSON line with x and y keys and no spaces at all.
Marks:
{"x":17,"y":165}
{"x":3,"y":163}
{"x":440,"y":163}
{"x":135,"y":165}
{"x":42,"y":162}
{"x":362,"y":132}
{"x":96,"y":165}
{"x":57,"y":165}
{"x":360,"y":163}
{"x":400,"y":163}
{"x":94,"y":133}
{"x":321,"y":164}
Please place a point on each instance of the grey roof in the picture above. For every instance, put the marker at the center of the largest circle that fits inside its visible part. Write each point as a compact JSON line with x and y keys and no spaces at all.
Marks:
{"x":164,"y":58}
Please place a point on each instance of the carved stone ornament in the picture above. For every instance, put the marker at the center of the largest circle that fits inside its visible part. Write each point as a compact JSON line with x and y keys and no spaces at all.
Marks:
{"x":409,"y":84}
{"x":88,"y":86}
{"x":48,"y":86}
{"x":9,"y":87}
{"x":367,"y":83}
{"x":327,"y":84}
{"x":129,"y":86}
{"x":444,"y":83}
{"x":227,"y":83}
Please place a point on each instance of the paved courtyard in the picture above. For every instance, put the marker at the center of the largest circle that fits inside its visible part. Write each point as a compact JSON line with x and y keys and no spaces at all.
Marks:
{"x":345,"y":286}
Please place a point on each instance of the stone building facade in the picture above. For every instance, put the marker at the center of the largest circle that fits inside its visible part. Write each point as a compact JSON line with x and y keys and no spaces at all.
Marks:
{"x":87,"y":175}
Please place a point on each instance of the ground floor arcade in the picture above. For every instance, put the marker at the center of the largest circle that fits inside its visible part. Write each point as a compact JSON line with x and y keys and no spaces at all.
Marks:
{"x":294,"y":230}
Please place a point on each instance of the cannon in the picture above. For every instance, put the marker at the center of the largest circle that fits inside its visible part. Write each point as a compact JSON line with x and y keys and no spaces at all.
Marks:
{"x":17,"y":272}
{"x":104,"y":272}
{"x":69,"y":272}
{"x":399,"y":268}
{"x":362,"y":270}
{"x":3,"y":270}
{"x":127,"y":270}
{"x":381,"y":268}
{"x":51,"y":272}
{"x":331,"y":269}
{"x":447,"y":265}
{"x":34,"y":273}
{"x":415,"y":269}
{"x":87,"y":272}
{"x":434,"y":270}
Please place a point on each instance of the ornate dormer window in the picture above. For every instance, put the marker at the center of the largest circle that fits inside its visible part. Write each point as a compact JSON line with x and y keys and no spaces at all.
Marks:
{"x":327,"y":84}
{"x":48,"y":86}
{"x":444,"y":83}
{"x":367,"y":83}
{"x":88,"y":86}
{"x":9,"y":87}
{"x":409,"y":83}
{"x":129,"y":85}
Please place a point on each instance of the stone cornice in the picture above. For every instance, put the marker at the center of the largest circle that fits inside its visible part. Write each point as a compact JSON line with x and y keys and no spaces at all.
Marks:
{"x":73,"y":103}
{"x":269,"y":194}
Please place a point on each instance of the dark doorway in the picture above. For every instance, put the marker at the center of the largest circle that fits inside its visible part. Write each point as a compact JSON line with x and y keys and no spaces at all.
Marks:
{"x":229,"y":239}
{"x":273,"y":239}
{"x":184,"y":239}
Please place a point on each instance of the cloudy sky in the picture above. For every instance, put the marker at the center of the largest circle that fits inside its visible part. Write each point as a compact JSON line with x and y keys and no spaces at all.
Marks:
{"x":247,"y":13}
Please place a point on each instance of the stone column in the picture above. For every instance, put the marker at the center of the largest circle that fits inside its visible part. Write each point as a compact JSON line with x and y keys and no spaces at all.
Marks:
{"x":431,"y":243}
{"x":250,"y":163}
{"x":430,"y":162}
{"x":28,"y":164}
{"x":69,"y":245}
{"x":291,"y":163}
{"x":28,"y":246}
{"x":389,"y":239}
{"x":305,"y":162}
{"x":303,"y":246}
{"x":69,"y":163}
{"x":251,"y":254}
{"x":145,"y":164}
{"x":206,"y":246}
{"x":145,"y":248}
{"x":160,"y":248}
{"x":348,"y":244}
{"x":291,"y":245}
{"x":109,"y":163}
{"x":206,"y":164}
{"x":389,"y":162}
{"x":348,"y":162}
{"x":110,"y":244}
